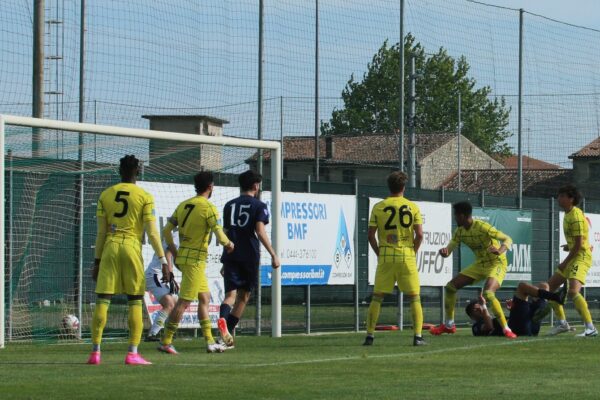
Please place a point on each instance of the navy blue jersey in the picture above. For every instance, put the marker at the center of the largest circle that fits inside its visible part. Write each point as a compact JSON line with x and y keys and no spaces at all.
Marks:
{"x":478,"y":326}
{"x":240,"y":216}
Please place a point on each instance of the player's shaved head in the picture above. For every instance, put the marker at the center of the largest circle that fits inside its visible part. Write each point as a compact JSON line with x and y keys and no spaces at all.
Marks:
{"x":397,"y":181}
{"x":129,"y":167}
{"x":202,"y":181}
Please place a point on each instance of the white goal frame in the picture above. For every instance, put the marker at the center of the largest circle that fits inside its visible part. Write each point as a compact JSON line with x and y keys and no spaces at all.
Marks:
{"x":275,"y":147}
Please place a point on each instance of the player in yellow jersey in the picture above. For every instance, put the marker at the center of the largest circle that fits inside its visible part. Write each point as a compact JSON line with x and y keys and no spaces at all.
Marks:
{"x":575,"y":267}
{"x":490,"y":265}
{"x":395,"y":235}
{"x":196,"y":218}
{"x":124,"y":211}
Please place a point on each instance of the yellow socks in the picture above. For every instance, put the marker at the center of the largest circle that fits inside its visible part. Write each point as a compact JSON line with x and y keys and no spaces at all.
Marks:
{"x":449,"y":302}
{"x":417,"y":314}
{"x":170,"y":329}
{"x":559,"y":311}
{"x":582,"y":308}
{"x":99,"y":321}
{"x":136,"y":324}
{"x":207,"y":331}
{"x":373,"y":313}
{"x":496,"y":307}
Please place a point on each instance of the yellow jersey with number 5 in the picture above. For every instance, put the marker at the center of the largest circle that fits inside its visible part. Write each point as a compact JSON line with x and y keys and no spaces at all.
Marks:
{"x":126,"y":208}
{"x":395,"y":218}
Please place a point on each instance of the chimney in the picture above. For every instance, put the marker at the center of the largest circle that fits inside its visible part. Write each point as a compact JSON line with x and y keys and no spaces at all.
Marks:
{"x":329,"y":147}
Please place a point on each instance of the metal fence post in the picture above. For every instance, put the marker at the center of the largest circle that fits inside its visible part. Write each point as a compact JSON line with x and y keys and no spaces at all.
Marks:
{"x":307,"y":311}
{"x":552,"y":250}
{"x":10,"y":246}
{"x":356,"y":289}
{"x":400,"y":310}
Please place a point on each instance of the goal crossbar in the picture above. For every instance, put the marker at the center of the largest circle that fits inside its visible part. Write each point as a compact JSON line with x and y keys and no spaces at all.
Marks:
{"x":275,"y":147}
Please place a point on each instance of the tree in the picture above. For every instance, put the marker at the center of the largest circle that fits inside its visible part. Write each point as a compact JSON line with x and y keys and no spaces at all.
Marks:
{"x":371,"y":105}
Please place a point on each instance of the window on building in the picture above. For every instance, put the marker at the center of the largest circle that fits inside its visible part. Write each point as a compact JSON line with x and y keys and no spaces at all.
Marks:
{"x":348,"y":176}
{"x":594,"y":170}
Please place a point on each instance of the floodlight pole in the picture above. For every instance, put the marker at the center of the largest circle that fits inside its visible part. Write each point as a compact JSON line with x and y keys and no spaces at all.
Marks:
{"x":316,"y":121}
{"x":520,"y":112}
{"x":401,"y":95}
{"x":2,"y":259}
{"x":412,"y":176}
{"x":37,"y":95}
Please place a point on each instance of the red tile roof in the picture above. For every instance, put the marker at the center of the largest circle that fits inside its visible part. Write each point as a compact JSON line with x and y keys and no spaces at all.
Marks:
{"x":504,"y":182}
{"x":512,"y":162}
{"x":363,"y":149}
{"x":592,"y":149}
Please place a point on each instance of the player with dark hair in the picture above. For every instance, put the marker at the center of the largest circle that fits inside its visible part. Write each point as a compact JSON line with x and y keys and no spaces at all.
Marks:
{"x":244,"y":220}
{"x":575,"y":267}
{"x":523,"y":308}
{"x":196,"y":218}
{"x":490,"y":265}
{"x":124,"y":211}
{"x":395,"y":235}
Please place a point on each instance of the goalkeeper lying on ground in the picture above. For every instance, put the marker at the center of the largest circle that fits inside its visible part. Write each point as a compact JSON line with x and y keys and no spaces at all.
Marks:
{"x":526,"y":301}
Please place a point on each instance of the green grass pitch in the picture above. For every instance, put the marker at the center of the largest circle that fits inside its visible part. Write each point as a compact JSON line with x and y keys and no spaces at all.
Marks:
{"x":333,"y":366}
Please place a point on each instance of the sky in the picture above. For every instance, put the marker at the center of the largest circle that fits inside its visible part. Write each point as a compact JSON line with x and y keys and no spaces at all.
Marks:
{"x":201,"y":58}
{"x":578,"y":12}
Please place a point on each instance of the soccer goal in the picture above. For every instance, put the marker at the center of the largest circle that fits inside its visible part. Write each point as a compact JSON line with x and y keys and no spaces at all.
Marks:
{"x":52,"y":175}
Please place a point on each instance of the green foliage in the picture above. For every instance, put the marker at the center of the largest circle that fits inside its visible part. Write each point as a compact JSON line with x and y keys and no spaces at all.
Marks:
{"x":372,"y":104}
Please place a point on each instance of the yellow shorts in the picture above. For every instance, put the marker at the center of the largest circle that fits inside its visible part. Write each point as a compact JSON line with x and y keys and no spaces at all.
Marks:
{"x":578,"y":268}
{"x":480,"y":270}
{"x":193,"y":281}
{"x":121,"y":269}
{"x":397,"y":266}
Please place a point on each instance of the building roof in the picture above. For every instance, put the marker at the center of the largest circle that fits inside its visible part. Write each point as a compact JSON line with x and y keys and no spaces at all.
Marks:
{"x":504,"y":182}
{"x":196,"y":117}
{"x":592,"y":149}
{"x":376,"y":148}
{"x":512,"y":162}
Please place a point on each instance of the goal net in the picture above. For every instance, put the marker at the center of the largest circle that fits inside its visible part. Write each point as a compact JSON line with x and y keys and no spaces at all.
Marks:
{"x":52,"y":175}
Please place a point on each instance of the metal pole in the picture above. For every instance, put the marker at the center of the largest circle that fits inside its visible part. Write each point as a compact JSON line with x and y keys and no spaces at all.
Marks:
{"x":281,"y":133}
{"x":552,"y":250}
{"x":2,"y":267}
{"x":401,"y":97}
{"x":482,"y":200}
{"x":307,"y":316}
{"x":400,"y":310}
{"x":95,"y":122}
{"x":442,"y":306}
{"x":38,"y":74}
{"x":458,"y":141}
{"x":443,"y":194}
{"x":276,"y":239}
{"x":520,"y":110}
{"x":260,"y":152}
{"x":411,"y":125}
{"x":317,"y":171}
{"x":10,"y":245}
{"x":260,"y":86}
{"x":81,"y":166}
{"x":356,"y":289}
{"x":307,"y":312}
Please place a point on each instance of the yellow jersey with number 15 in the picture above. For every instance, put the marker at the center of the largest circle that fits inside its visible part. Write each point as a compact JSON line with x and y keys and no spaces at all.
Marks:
{"x":395,"y":218}
{"x":126,"y":208}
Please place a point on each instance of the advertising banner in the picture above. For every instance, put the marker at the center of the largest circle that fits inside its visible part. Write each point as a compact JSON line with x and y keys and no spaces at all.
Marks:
{"x":434,"y":270}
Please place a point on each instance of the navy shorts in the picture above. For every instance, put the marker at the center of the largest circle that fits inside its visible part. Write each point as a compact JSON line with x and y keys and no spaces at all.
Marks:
{"x":240,"y":275}
{"x":521,"y":314}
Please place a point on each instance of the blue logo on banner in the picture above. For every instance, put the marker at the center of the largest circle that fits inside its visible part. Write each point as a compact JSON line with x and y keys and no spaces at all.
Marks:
{"x":293,"y":275}
{"x":343,"y":251}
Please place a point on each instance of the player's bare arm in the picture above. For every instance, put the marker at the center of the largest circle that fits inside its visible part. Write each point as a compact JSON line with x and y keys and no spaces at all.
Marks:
{"x":261,"y":232}
{"x":418,"y":237}
{"x":372,"y":234}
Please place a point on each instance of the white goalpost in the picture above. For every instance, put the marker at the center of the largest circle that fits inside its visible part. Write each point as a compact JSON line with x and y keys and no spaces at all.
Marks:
{"x":195,"y":143}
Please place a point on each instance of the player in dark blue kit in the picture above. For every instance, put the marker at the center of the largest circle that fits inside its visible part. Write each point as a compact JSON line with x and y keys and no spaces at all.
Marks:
{"x":244,"y":220}
{"x":526,"y":301}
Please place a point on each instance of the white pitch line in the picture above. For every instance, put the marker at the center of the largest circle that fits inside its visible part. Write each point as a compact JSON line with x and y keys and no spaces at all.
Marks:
{"x":361,"y":357}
